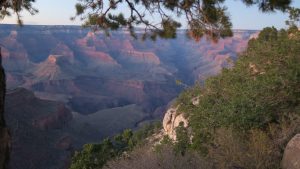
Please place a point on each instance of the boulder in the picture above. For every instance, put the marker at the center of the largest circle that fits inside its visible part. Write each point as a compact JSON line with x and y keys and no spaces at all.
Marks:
{"x":291,"y":157}
{"x":195,"y":101}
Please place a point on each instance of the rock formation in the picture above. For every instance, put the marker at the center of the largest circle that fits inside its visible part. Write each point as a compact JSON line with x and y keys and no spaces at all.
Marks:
{"x":91,"y":73}
{"x":141,"y":57}
{"x":291,"y":157}
{"x":39,"y":129}
{"x":56,"y":67}
{"x":172,"y":120}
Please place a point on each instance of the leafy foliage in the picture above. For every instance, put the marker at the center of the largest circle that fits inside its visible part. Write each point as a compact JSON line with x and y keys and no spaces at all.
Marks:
{"x":7,"y":7}
{"x":182,"y":140}
{"x":258,"y":92}
{"x":294,"y":17}
{"x":203,"y":17}
{"x":96,"y":155}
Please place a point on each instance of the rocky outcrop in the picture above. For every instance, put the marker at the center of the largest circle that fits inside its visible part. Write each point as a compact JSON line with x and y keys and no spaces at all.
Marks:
{"x":195,"y":101}
{"x":64,"y":50}
{"x":172,"y":120}
{"x":291,"y":157}
{"x":173,"y":117}
{"x":99,"y":58}
{"x":15,"y":57}
{"x":95,"y":51}
{"x":56,"y":67}
{"x":141,"y":57}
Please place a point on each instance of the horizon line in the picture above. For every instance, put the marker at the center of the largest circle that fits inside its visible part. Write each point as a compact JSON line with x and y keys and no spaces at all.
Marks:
{"x":70,"y":25}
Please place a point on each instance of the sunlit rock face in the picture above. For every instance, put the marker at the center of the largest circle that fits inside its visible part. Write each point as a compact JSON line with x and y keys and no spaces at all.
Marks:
{"x":172,"y":120}
{"x":63,"y":50}
{"x":14,"y":54}
{"x":94,"y":50}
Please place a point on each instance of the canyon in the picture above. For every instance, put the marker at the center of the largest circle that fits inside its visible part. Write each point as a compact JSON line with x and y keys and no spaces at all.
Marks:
{"x":68,"y":86}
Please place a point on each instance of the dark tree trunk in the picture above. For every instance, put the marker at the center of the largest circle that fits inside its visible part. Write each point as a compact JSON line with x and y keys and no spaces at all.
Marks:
{"x":4,"y":133}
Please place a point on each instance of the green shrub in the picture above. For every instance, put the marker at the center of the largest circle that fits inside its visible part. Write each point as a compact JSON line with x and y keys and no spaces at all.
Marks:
{"x":94,"y":156}
{"x":246,"y":101}
{"x":182,"y":140}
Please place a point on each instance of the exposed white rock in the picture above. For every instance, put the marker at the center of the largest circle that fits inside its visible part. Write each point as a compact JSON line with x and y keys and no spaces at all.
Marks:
{"x":172,"y":120}
{"x":195,"y":101}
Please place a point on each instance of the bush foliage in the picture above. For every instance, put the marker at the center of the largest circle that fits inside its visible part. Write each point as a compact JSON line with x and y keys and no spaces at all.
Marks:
{"x":94,"y":156}
{"x":249,"y":102}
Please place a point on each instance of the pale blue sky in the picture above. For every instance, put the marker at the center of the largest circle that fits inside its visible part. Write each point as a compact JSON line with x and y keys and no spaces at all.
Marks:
{"x":58,"y":12}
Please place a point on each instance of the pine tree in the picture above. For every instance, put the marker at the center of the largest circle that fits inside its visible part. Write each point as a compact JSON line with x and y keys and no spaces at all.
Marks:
{"x":203,"y":17}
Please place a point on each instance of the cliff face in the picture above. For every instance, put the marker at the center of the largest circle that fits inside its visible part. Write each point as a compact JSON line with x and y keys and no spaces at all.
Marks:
{"x":57,"y":120}
{"x":172,"y":120}
{"x":4,"y":134}
{"x":173,"y":117}
{"x":40,"y":132}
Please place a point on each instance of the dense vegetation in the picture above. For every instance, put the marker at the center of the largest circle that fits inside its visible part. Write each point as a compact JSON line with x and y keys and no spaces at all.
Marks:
{"x":245,"y":117}
{"x":247,"y":114}
{"x":96,"y":155}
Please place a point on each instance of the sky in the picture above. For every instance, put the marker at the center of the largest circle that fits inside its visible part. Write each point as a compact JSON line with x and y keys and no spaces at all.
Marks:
{"x":59,"y":12}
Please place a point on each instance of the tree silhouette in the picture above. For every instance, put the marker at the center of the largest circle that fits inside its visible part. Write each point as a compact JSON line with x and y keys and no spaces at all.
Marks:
{"x":203,"y":17}
{"x":8,"y":7}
